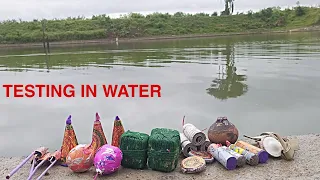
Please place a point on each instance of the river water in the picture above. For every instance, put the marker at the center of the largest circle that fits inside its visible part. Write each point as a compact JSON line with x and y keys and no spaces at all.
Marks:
{"x":261,"y":83}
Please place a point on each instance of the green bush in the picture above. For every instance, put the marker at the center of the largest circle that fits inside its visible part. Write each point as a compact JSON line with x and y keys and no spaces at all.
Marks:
{"x":300,"y":11}
{"x":156,"y":24}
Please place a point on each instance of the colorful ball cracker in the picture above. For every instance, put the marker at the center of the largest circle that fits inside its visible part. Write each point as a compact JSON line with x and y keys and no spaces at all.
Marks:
{"x":80,"y":158}
{"x":107,"y":159}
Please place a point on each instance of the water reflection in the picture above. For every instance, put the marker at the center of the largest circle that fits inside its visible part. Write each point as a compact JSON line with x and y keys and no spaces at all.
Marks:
{"x":162,"y":53}
{"x":57,"y":61}
{"x":47,"y":62}
{"x":229,"y":84}
{"x":106,"y":59}
{"x":288,"y":91}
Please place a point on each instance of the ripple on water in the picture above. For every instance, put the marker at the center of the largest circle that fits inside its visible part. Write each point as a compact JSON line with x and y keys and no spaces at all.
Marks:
{"x":247,"y":78}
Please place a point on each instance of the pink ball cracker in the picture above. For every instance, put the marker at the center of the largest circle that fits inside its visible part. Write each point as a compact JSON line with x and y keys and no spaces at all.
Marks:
{"x":107,"y":159}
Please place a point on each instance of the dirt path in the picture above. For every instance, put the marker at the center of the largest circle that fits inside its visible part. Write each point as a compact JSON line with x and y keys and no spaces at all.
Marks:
{"x":312,"y":28}
{"x":305,"y":166}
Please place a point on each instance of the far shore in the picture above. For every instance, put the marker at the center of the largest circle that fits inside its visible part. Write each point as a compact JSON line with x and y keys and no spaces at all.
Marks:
{"x":305,"y":166}
{"x":154,"y":38}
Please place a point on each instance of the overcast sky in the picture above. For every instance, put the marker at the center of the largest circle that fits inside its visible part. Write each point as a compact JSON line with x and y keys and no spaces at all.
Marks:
{"x":38,"y":9}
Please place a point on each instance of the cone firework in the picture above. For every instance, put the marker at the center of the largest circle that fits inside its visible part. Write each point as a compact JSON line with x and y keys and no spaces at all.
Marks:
{"x":118,"y":130}
{"x":69,"y":141}
{"x":98,"y":137}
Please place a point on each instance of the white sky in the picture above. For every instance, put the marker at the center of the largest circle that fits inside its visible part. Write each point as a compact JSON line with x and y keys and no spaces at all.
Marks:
{"x":49,"y":9}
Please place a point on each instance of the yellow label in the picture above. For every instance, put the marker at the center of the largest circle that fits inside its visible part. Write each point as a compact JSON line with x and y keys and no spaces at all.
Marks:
{"x":236,"y":149}
{"x":248,"y":146}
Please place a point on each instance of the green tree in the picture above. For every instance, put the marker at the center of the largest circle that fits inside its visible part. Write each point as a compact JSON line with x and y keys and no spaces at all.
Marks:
{"x":299,"y":10}
{"x":228,"y":8}
{"x":214,"y":14}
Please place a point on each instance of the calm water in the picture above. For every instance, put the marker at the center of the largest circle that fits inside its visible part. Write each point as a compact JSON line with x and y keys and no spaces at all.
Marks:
{"x":261,"y":83}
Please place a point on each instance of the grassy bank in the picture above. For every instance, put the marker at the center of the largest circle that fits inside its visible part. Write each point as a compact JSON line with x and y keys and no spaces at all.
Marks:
{"x":157,"y":25}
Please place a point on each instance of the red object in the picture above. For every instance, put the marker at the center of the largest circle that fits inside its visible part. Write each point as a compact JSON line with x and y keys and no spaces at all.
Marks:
{"x":223,"y":130}
{"x":118,"y":130}
{"x":98,"y":137}
{"x":69,"y":141}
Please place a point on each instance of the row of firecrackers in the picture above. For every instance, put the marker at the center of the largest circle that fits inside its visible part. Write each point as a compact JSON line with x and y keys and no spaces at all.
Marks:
{"x":160,"y":150}
{"x":79,"y":157}
{"x":230,"y":152}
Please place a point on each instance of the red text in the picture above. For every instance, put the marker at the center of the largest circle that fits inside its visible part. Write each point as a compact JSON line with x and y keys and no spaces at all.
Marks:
{"x":30,"y":91}
{"x":144,"y":90}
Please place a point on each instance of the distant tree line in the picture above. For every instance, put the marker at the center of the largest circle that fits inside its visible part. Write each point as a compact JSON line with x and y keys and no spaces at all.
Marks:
{"x":135,"y":25}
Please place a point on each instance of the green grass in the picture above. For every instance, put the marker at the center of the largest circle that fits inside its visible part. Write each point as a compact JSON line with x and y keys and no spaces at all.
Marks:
{"x":136,"y":25}
{"x":312,"y":17}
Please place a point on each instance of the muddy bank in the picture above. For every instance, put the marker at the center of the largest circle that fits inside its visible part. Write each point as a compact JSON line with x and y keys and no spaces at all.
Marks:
{"x":305,"y":166}
{"x":154,"y":38}
{"x":121,"y":40}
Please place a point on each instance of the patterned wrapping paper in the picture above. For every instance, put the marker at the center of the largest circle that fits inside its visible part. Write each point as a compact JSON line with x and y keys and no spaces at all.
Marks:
{"x":80,"y":158}
{"x":251,"y":158}
{"x":45,"y":157}
{"x":98,"y":137}
{"x":118,"y":130}
{"x":40,"y":152}
{"x":55,"y":156}
{"x":241,"y":160}
{"x":262,"y":154}
{"x":221,"y":155}
{"x":107,"y":159}
{"x":69,"y":141}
